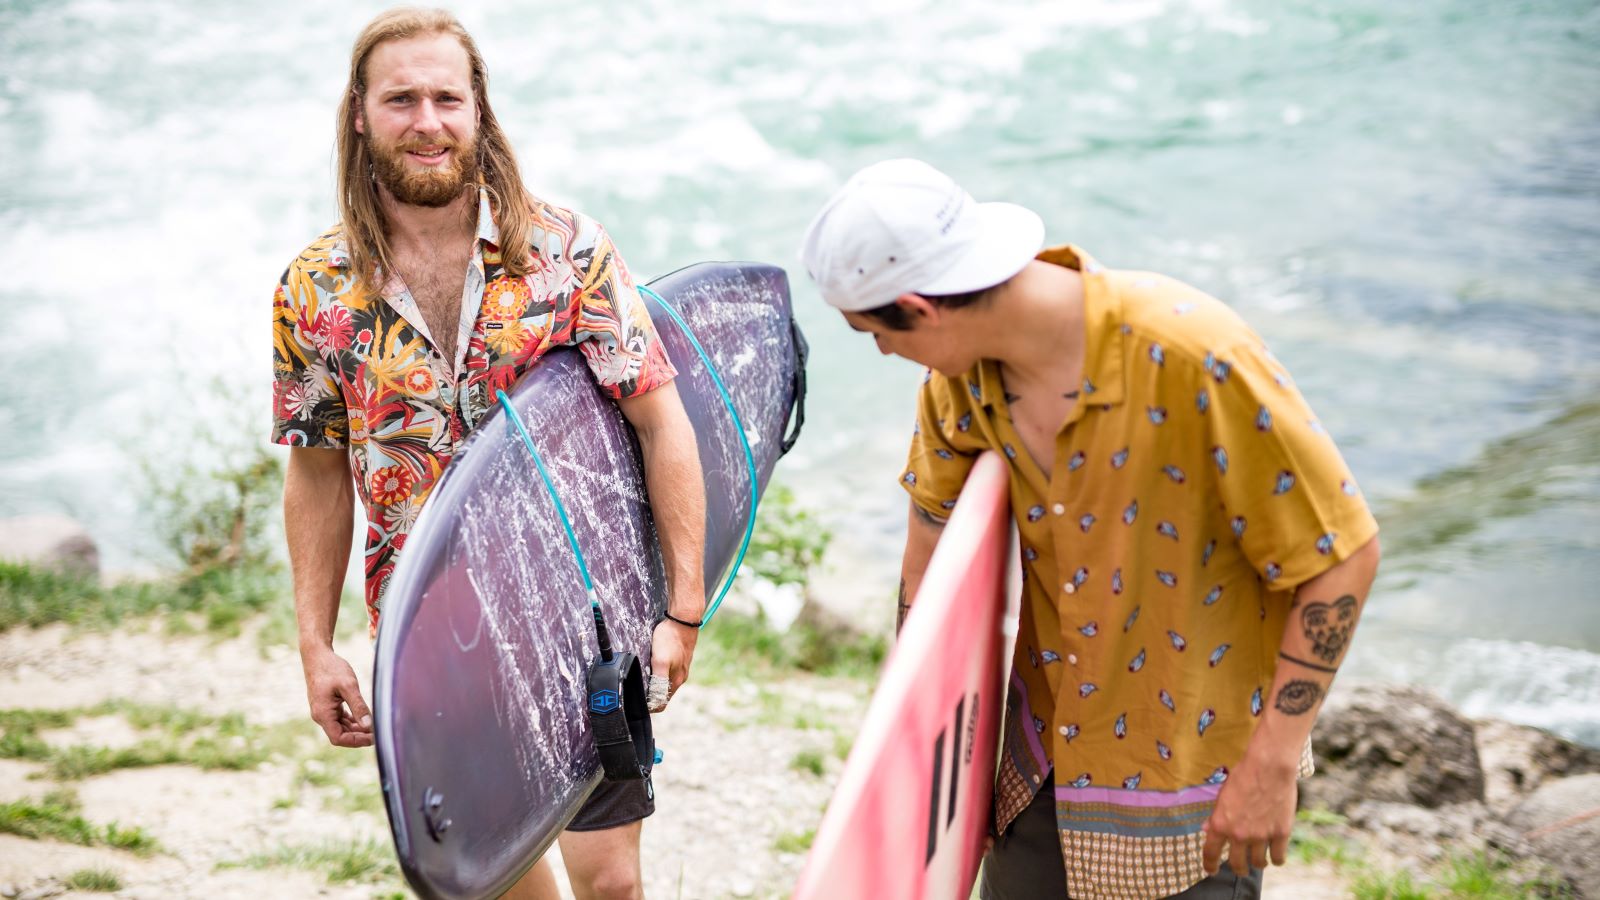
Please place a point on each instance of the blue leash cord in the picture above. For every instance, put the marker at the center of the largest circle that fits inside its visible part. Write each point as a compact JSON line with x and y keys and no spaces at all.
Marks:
{"x":738,"y":426}
{"x":561,"y":510}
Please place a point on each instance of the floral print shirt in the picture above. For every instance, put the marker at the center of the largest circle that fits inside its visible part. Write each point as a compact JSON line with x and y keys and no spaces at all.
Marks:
{"x":1192,"y":490}
{"x":358,"y":369}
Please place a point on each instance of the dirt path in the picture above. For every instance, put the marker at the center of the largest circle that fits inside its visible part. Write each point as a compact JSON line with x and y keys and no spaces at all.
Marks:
{"x":739,"y":788}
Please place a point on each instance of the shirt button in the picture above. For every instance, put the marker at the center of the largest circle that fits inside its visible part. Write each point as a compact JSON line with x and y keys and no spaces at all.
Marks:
{"x":1063,"y":730}
{"x":1059,"y":510}
{"x":1070,"y":588}
{"x":1036,"y":779}
{"x":1072,"y":658}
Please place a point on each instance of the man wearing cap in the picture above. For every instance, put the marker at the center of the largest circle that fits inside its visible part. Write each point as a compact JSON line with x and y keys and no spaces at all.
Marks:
{"x":1195,"y":553}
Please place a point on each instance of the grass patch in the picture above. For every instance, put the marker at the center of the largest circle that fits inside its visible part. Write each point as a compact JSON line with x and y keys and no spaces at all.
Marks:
{"x":1375,"y":885}
{"x":1483,"y":875}
{"x":1315,"y":847}
{"x":220,"y":599}
{"x":736,"y":645}
{"x":795,"y":841}
{"x":341,"y":862}
{"x":98,"y":880}
{"x":56,"y":816}
{"x":809,"y":761}
{"x":182,"y":737}
{"x":842,"y":743}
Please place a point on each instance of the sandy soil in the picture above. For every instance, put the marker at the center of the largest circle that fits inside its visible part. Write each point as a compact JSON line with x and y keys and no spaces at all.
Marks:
{"x":727,"y":790}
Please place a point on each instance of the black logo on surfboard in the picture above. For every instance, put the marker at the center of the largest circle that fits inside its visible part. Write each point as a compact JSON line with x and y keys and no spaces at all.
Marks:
{"x":962,"y":734}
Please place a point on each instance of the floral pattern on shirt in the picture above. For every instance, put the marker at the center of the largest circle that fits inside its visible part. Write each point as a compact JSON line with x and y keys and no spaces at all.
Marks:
{"x":356,"y":369}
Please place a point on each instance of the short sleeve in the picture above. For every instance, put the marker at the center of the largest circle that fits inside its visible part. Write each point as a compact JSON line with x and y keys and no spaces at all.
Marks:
{"x":308,"y":408}
{"x":1290,"y":498}
{"x":944,"y":444}
{"x":613,"y":328}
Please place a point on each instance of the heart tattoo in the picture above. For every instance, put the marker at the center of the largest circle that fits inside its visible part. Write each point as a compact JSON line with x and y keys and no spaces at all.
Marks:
{"x":1328,"y":626}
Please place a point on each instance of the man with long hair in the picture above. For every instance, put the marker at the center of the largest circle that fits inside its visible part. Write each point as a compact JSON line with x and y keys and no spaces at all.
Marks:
{"x":443,"y":283}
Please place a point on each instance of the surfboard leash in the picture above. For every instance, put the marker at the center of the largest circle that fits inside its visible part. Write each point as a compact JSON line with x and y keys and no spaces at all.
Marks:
{"x":744,"y":441}
{"x":618,"y":704}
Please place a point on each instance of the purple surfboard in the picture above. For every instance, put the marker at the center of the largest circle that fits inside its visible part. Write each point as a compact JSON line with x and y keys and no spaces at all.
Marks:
{"x":484,"y":748}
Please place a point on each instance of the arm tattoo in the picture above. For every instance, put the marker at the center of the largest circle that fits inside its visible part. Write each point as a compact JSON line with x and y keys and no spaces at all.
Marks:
{"x":1298,"y":697}
{"x":1309,"y":665}
{"x":1328,"y":627}
{"x":928,"y":518}
{"x":900,"y":616}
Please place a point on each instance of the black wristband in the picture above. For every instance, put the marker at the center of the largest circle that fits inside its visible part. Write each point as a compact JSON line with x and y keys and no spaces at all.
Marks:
{"x":682,"y":622}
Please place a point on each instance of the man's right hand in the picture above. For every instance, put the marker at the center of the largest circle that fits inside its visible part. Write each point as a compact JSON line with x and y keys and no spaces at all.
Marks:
{"x":335,"y":698}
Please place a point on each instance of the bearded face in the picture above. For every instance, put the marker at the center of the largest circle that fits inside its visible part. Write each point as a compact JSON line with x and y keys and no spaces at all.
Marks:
{"x":416,"y":182}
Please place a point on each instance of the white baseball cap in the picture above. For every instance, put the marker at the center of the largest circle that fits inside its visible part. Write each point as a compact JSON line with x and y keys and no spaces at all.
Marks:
{"x":903,"y":227}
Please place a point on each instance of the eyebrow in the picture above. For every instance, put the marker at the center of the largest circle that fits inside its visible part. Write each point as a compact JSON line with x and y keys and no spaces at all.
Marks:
{"x":412,"y":89}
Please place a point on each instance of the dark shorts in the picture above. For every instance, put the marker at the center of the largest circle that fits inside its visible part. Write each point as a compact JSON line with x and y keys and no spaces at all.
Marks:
{"x":1026,"y":862}
{"x":615,"y":803}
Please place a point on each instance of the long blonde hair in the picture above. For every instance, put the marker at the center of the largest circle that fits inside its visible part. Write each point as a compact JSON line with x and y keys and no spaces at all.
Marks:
{"x":359,"y":206}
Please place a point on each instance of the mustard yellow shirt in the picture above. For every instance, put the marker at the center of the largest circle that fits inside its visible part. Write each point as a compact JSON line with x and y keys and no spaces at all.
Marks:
{"x":1192,"y":491}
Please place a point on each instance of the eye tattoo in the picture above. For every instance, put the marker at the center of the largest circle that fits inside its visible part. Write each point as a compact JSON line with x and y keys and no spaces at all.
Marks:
{"x":1298,"y":697}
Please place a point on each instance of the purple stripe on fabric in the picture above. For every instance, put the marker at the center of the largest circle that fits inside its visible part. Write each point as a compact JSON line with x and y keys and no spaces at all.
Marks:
{"x":1026,"y":723}
{"x":1204,"y":793}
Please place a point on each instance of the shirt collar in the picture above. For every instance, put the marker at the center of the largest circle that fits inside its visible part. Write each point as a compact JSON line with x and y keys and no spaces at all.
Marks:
{"x":487,"y":231}
{"x":1102,"y":319}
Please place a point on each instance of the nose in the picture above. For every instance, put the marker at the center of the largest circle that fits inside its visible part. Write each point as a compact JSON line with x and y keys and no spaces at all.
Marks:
{"x":427,"y":118}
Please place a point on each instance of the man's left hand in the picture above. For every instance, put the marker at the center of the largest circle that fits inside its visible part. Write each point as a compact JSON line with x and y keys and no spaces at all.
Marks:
{"x":1254,"y":815}
{"x":671,"y":649}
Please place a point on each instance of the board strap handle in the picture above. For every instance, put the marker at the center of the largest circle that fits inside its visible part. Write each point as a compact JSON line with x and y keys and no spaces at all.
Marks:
{"x":619,"y":719}
{"x":797,"y":412}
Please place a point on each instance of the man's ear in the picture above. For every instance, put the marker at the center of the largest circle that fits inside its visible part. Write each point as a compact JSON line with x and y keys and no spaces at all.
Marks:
{"x":361,"y":114}
{"x":919,"y":309}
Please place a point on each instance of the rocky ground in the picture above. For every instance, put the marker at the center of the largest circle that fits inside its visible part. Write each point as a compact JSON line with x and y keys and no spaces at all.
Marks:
{"x":748,"y":770}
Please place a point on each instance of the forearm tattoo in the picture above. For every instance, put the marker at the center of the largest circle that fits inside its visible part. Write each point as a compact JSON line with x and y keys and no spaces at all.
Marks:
{"x":900,"y":616}
{"x":1328,"y":627}
{"x":1298,"y":697}
{"x":1309,"y":665}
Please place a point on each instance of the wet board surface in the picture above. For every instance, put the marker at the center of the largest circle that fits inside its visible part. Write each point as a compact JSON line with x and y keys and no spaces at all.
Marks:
{"x":484,"y":748}
{"x":909,"y":816}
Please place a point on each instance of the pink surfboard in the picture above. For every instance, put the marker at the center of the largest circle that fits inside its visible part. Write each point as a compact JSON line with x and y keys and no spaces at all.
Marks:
{"x":910,"y":813}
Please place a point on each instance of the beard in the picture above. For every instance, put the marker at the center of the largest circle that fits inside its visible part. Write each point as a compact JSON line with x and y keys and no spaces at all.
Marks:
{"x":430,"y":187}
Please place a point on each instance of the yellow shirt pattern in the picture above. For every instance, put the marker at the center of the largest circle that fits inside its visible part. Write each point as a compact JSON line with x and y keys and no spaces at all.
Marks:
{"x":1192,"y":491}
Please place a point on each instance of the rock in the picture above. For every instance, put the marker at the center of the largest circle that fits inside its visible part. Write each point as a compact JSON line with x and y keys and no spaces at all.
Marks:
{"x":49,"y":542}
{"x":1560,"y":822}
{"x":1392,"y":744}
{"x":1427,"y":834}
{"x":1517,"y":759}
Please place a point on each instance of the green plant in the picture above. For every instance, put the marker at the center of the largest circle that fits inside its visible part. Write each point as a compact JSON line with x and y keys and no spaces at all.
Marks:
{"x":56,"y":816}
{"x":788,"y":540}
{"x":1319,"y":815}
{"x":342,"y":862}
{"x":809,"y":761}
{"x":99,"y":880}
{"x":1376,"y":885}
{"x":214,"y":501}
{"x":794,"y":841}
{"x":736,"y":645}
{"x":1312,"y":846}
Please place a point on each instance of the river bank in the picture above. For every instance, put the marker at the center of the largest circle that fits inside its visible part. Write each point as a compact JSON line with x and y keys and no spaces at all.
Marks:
{"x":175,"y":764}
